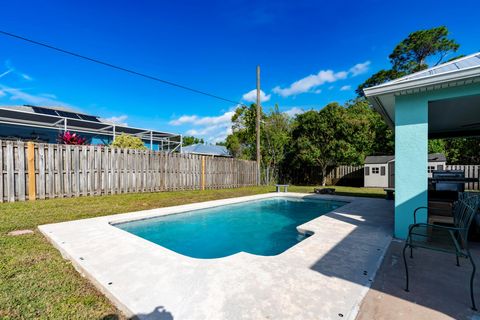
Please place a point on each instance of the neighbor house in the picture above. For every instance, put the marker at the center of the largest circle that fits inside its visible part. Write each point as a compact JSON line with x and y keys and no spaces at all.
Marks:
{"x":207,"y":150}
{"x":379,"y":171}
{"x":45,"y":124}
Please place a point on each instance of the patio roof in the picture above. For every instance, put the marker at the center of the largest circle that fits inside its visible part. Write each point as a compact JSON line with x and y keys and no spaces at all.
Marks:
{"x":463,"y":116}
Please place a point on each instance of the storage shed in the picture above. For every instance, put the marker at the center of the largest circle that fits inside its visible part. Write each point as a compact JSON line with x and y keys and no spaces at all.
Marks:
{"x":380,"y":170}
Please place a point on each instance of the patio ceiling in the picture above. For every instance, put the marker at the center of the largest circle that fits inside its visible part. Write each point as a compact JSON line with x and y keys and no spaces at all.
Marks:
{"x":459,"y":116}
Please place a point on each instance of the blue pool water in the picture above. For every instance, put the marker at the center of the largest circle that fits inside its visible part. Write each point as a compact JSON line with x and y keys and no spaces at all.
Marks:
{"x":262,"y":227}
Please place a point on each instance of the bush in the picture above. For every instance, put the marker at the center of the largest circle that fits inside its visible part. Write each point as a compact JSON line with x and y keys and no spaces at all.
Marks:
{"x":71,"y":138}
{"x":128,"y":142}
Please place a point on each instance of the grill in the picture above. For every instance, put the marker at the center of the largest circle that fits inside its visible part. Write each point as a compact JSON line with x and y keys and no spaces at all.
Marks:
{"x":448,"y":180}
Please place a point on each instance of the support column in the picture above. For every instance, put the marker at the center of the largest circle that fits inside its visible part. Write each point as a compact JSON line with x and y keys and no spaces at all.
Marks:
{"x":411,"y":158}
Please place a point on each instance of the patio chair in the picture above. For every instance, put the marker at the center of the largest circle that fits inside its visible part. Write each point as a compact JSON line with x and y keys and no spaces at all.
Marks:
{"x":452,"y":240}
{"x":476,"y":219}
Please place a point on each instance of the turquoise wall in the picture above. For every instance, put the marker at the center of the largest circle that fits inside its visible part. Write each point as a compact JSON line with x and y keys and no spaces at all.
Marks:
{"x":411,"y":151}
{"x":411,"y":157}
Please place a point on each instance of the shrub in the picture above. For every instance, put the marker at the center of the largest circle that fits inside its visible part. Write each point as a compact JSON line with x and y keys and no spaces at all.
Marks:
{"x":71,"y":138}
{"x":128,"y":142}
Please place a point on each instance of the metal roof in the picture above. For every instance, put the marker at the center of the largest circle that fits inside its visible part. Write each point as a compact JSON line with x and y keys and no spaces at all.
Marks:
{"x":432,"y":157}
{"x":470,"y":61}
{"x":437,"y":157}
{"x":378,"y":159}
{"x":206,"y":149}
{"x":459,"y":71}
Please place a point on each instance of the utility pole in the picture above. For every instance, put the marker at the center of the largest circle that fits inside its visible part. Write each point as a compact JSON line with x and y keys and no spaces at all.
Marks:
{"x":259,"y":112}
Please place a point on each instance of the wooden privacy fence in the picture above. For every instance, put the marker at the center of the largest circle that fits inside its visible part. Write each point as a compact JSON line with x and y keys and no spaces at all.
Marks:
{"x":345,"y":175}
{"x":45,"y":171}
{"x":471,"y":171}
{"x":312,"y":175}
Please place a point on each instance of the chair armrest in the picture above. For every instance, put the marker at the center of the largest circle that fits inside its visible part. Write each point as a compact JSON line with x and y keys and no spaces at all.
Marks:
{"x":433,"y":226}
{"x":415,"y":213}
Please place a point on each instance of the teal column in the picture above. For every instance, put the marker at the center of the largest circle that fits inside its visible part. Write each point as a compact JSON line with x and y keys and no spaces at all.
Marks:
{"x":411,"y":158}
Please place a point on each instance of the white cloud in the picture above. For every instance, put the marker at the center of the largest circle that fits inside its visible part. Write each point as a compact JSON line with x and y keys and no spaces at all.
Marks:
{"x":12,"y":69}
{"x":345,"y":88}
{"x":212,"y":129}
{"x":5,"y":73}
{"x":222,"y":135}
{"x":292,"y":112}
{"x":205,"y":130}
{"x":359,"y":68}
{"x":26,"y":77}
{"x":202,"y":121}
{"x":118,"y":120}
{"x":183,"y":120}
{"x":42,"y":99}
{"x":251,"y":96}
{"x":310,"y":82}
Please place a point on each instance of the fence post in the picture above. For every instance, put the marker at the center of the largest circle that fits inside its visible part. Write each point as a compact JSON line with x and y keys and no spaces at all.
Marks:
{"x":10,"y":172}
{"x":31,"y":171}
{"x":203,"y":172}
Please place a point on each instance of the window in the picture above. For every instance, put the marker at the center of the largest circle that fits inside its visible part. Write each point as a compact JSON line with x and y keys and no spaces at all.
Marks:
{"x":375,"y":170}
{"x":430,"y":169}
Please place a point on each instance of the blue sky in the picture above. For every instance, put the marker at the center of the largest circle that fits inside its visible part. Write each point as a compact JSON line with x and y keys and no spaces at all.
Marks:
{"x":310,"y":52}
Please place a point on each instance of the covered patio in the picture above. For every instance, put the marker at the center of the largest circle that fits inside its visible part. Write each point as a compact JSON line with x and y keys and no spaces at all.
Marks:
{"x":440,"y":102}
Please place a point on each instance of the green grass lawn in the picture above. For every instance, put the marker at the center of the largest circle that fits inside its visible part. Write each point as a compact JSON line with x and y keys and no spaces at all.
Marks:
{"x":37,"y":283}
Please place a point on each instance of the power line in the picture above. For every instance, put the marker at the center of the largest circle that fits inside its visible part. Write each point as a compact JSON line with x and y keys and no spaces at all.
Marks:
{"x":107,"y":64}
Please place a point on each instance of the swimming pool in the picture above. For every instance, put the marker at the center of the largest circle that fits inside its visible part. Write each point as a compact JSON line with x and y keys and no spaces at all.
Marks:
{"x":262,"y":227}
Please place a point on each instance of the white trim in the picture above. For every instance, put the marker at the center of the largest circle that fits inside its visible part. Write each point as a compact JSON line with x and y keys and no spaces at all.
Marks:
{"x":452,"y":78}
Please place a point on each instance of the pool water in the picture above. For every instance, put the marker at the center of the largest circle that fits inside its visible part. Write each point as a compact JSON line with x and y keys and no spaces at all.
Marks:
{"x":263,"y":227}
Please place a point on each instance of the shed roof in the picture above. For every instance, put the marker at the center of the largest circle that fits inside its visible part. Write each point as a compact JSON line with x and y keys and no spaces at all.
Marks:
{"x":378,"y":159}
{"x":206,"y":149}
{"x":433,"y":157}
{"x":437,"y":157}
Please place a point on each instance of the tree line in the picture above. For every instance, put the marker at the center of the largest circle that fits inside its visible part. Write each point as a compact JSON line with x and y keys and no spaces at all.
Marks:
{"x":334,"y":135}
{"x":315,"y":140}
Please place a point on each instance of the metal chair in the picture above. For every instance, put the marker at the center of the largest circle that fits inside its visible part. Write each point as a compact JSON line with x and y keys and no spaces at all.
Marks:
{"x":452,"y":240}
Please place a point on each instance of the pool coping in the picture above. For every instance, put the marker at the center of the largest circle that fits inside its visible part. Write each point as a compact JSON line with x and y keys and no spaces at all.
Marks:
{"x":90,"y":264}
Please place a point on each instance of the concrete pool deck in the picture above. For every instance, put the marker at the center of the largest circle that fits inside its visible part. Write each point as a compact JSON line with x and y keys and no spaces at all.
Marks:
{"x":325,"y":276}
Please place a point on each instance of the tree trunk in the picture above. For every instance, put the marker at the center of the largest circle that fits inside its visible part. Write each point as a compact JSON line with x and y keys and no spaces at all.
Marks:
{"x":324,"y":176}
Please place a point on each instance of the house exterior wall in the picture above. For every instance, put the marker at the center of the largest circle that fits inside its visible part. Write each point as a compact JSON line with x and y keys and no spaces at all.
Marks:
{"x":411,"y":158}
{"x":372,"y":179}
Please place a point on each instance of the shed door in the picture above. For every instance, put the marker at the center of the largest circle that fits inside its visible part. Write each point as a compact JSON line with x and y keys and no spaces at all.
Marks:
{"x":391,"y":174}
